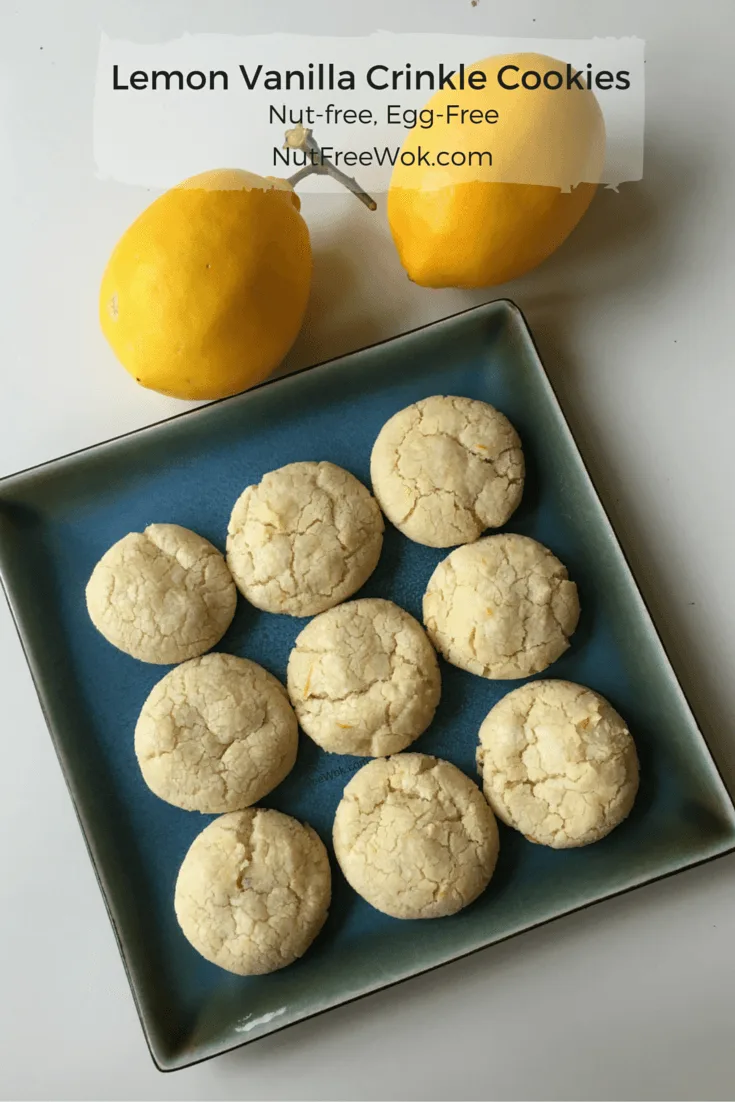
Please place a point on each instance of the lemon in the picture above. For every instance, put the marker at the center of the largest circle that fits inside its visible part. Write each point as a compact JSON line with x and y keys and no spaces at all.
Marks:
{"x":206,"y":291}
{"x":514,"y":186}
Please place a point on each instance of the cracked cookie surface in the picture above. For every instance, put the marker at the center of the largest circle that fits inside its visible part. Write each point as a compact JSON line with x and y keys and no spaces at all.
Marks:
{"x":162,"y":595}
{"x":364,"y":679}
{"x":306,"y":537}
{"x":415,"y":837}
{"x":558,"y":763}
{"x":216,"y":734}
{"x":253,"y":891}
{"x":503,"y":607}
{"x":446,"y":468}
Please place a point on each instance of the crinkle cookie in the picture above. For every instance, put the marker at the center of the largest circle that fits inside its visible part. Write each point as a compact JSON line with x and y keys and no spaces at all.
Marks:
{"x":216,"y":734}
{"x":501,"y":608}
{"x":445,"y":469}
{"x":558,"y":763}
{"x":304,"y":539}
{"x":364,"y":679}
{"x":253,"y":891}
{"x":414,"y":836}
{"x":162,"y":595}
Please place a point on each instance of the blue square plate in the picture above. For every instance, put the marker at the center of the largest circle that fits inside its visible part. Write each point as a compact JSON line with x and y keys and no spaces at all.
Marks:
{"x":56,"y":521}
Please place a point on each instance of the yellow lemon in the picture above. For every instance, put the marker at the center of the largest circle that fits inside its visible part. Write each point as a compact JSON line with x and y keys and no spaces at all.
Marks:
{"x":501,"y":178}
{"x":205,"y":293}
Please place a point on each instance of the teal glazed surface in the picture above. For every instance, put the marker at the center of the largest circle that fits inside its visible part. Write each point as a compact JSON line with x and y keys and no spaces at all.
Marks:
{"x":58,"y":519}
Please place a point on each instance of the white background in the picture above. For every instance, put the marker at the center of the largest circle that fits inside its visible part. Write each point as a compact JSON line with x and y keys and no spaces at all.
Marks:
{"x":633,"y":999}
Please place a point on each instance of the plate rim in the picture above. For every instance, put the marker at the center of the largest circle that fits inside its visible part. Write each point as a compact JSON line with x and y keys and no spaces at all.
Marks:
{"x":515,"y":313}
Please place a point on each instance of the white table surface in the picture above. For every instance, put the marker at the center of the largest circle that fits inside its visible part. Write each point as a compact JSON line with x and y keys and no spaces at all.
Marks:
{"x":633,"y":999}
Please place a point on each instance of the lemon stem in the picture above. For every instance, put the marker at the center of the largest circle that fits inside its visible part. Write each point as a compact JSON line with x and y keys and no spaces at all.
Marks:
{"x":302,"y":138}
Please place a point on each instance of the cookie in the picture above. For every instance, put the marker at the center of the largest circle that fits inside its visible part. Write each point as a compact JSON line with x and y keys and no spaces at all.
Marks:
{"x":253,"y":891}
{"x":162,"y":595}
{"x":445,"y":469}
{"x":304,"y":539}
{"x":415,"y":837}
{"x":364,"y":679}
{"x":558,"y":763}
{"x":216,"y":734}
{"x":502,"y":607}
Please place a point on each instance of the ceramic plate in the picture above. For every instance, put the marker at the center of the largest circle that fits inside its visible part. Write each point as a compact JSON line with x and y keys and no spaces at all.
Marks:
{"x":56,"y":521}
